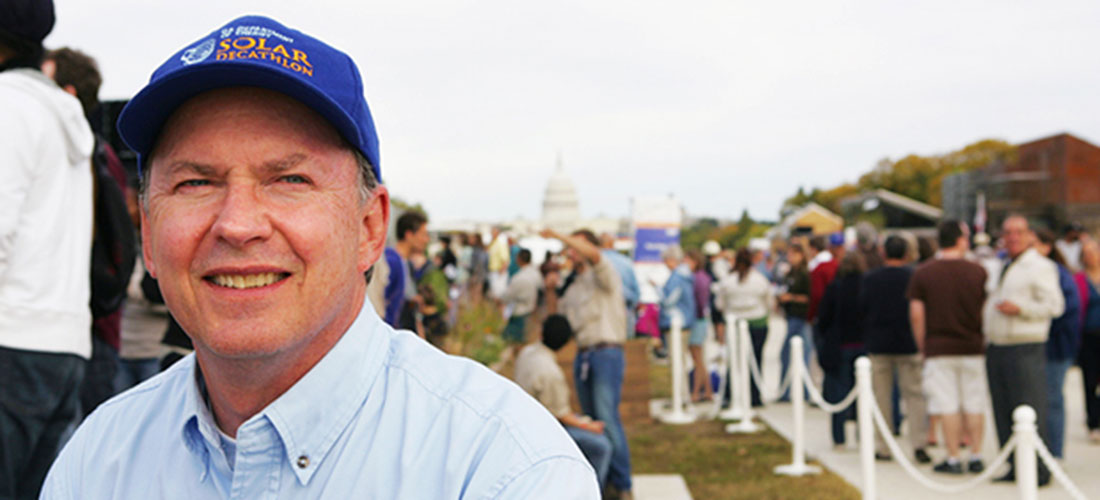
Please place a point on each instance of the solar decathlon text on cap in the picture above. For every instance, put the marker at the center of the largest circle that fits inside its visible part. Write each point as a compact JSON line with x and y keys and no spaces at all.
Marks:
{"x":255,"y":51}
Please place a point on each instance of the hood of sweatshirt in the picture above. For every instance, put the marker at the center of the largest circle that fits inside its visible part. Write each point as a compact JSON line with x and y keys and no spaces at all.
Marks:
{"x":79,"y":140}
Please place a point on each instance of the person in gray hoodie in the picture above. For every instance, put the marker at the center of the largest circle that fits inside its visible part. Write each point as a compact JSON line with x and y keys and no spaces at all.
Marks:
{"x":1024,"y":297}
{"x":45,"y":251}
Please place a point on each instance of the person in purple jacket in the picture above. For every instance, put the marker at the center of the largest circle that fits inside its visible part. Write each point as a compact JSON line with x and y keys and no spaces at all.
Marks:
{"x":700,"y":388}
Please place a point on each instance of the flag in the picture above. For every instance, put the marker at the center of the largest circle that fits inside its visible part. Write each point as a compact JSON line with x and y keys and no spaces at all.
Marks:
{"x":979,"y":214}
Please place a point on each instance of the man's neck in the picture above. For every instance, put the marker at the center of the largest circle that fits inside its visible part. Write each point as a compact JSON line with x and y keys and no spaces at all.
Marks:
{"x":952,"y":253}
{"x":403,"y":249}
{"x":240,"y":388}
{"x":894,"y":263}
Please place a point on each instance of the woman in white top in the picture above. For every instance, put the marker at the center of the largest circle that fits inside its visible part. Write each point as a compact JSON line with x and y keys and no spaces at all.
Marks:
{"x":747,"y":294}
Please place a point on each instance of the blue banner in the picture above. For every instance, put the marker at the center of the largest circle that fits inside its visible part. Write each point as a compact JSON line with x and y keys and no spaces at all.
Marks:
{"x":649,"y":242}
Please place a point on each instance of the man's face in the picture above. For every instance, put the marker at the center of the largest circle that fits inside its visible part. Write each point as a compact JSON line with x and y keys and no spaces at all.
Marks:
{"x":1017,"y":235}
{"x":418,"y":240}
{"x":671,"y":263}
{"x":255,"y":227}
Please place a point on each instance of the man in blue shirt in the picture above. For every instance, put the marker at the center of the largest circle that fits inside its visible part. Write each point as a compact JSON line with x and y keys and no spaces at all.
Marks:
{"x":261,"y":213}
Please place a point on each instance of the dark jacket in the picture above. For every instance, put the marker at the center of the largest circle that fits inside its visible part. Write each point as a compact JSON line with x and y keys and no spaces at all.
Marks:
{"x":885,"y":311}
{"x":1065,"y":330}
{"x":840,"y":323}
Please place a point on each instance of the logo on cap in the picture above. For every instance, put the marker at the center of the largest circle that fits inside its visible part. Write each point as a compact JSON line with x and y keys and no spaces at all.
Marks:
{"x":198,"y":53}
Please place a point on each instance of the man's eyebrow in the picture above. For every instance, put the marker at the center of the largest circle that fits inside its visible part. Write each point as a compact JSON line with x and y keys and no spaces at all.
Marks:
{"x":283,"y":164}
{"x":188,"y":166}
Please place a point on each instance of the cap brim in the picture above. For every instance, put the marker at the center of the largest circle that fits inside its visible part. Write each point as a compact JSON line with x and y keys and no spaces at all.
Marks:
{"x":140,"y":122}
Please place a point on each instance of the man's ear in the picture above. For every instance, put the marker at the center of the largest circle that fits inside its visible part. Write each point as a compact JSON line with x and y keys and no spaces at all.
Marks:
{"x":375,"y":225}
{"x":146,"y":244}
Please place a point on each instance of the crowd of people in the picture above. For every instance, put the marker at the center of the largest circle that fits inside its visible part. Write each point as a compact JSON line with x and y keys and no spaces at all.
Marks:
{"x":954,"y":331}
{"x":582,"y":293}
{"x":955,"y":328}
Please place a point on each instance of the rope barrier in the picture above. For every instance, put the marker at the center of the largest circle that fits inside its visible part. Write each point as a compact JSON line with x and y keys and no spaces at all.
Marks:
{"x":903,"y":459}
{"x":1057,"y":472}
{"x":1023,"y":432}
{"x":754,"y":368}
{"x":816,"y":397}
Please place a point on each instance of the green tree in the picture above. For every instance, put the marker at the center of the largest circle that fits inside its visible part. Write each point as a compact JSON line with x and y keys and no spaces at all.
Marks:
{"x":693,"y":236}
{"x":915,"y":176}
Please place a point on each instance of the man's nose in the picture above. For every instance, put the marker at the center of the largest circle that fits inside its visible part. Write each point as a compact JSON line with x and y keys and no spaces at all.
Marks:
{"x":243,"y":217}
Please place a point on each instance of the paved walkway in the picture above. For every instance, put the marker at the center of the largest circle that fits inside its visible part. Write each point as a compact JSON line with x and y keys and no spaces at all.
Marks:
{"x":660,"y":487}
{"x":1082,"y":462}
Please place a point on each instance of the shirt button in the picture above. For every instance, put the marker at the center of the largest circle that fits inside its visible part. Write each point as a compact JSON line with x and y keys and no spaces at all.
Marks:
{"x":303,"y":462}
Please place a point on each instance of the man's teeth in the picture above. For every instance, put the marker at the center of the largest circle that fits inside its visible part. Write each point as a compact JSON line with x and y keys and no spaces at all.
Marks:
{"x":242,"y":281}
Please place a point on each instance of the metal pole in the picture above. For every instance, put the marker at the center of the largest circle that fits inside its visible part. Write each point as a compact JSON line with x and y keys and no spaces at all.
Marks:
{"x":735,"y":411}
{"x":798,"y":466}
{"x":676,"y":414}
{"x":745,"y":425}
{"x":746,"y":372}
{"x":1023,"y":426}
{"x":865,"y":418}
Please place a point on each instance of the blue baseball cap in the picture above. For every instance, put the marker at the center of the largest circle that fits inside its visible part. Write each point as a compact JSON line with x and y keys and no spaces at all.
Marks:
{"x":255,"y":51}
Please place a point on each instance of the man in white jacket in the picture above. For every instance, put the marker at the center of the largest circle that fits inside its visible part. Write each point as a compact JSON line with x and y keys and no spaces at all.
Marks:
{"x":1024,"y":297}
{"x":45,"y":251}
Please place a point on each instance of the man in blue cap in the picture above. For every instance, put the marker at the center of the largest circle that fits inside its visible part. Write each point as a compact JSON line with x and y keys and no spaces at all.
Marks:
{"x":261,"y":213}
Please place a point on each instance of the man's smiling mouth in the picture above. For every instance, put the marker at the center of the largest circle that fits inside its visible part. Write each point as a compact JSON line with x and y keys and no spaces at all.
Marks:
{"x":245,"y":281}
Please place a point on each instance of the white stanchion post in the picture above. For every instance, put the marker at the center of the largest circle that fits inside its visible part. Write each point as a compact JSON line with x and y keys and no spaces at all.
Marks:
{"x":798,"y":466}
{"x":735,"y":411}
{"x":865,"y":418}
{"x":676,"y":414}
{"x":1023,"y":426}
{"x":744,"y":378}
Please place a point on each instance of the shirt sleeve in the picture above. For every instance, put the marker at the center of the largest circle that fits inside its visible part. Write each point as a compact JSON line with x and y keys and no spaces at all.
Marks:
{"x":553,"y":393}
{"x":556,"y":477}
{"x":17,"y":168}
{"x":512,"y":291}
{"x":605,"y":273}
{"x":1046,"y":300}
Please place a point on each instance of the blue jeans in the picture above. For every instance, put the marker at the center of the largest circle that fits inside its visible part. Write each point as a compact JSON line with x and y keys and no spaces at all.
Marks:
{"x":132,"y":372}
{"x":1056,"y":418}
{"x":598,"y":375}
{"x":39,"y":402}
{"x":795,"y":326}
{"x":838,"y":383}
{"x":596,"y":448}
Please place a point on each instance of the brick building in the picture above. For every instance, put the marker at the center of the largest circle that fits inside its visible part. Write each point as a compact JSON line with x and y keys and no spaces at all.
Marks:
{"x":1052,"y":181}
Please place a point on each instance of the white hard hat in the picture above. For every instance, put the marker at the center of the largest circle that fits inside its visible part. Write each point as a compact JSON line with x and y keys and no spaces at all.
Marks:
{"x":711,"y":247}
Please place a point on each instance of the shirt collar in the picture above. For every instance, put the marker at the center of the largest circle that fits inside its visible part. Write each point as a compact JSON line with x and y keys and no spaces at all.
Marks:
{"x":313,"y":413}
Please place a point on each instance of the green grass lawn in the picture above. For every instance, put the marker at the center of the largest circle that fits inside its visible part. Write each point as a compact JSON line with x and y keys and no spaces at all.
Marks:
{"x":717,"y":465}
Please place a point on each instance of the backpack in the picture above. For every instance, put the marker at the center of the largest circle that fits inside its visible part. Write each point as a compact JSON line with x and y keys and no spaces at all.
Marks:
{"x":114,"y":246}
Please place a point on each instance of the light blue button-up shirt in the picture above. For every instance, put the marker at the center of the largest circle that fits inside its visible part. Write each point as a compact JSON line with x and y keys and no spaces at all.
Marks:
{"x":382,"y":415}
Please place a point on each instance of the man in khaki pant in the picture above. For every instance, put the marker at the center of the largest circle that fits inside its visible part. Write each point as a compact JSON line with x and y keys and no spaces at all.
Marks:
{"x":891,"y":346}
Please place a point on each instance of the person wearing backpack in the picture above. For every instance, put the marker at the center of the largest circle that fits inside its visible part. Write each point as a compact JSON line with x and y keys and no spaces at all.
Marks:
{"x":114,"y":246}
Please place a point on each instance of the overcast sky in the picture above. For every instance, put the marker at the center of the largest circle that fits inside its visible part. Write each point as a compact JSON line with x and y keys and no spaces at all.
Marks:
{"x":725,"y":104}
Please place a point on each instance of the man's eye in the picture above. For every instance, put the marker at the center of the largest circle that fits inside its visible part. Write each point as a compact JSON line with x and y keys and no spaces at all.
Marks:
{"x":194,"y":183}
{"x":294,"y":179}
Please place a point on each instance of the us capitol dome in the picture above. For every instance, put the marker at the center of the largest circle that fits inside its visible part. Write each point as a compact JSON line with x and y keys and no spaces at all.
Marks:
{"x":560,"y":207}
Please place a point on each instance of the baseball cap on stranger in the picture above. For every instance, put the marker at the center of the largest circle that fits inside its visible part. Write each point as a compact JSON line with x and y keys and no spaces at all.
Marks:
{"x":255,"y":51}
